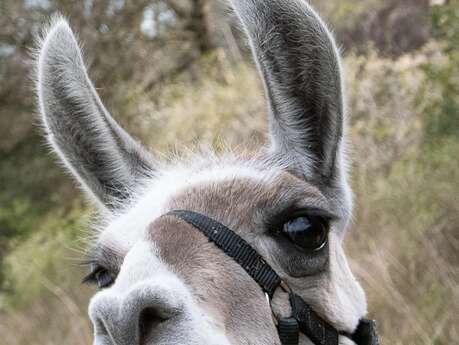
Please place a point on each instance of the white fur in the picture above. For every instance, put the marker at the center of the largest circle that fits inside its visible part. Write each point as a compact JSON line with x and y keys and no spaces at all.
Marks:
{"x":129,"y":226}
{"x":145,"y":274}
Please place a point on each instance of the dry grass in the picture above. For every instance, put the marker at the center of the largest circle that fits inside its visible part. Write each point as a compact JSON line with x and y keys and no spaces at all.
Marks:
{"x":55,"y":315}
{"x":404,"y":241}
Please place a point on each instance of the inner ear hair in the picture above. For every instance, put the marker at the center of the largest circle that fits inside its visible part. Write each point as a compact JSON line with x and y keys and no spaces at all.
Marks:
{"x":107,"y":162}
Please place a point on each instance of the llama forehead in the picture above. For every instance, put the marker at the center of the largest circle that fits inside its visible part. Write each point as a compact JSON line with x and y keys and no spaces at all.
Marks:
{"x":130,"y":226}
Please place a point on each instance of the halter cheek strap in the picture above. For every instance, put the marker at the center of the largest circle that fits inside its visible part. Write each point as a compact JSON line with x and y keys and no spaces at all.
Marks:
{"x":303,"y":318}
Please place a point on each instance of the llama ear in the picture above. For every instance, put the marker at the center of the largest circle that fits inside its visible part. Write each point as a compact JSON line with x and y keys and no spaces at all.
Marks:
{"x":300,"y":66}
{"x":99,"y":153}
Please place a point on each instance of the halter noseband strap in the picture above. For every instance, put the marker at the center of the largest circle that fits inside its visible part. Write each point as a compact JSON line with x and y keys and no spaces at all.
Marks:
{"x":235,"y":247}
{"x":303,"y":318}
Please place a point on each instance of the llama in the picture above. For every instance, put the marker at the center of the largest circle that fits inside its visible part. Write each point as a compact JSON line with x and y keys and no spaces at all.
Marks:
{"x":163,"y":282}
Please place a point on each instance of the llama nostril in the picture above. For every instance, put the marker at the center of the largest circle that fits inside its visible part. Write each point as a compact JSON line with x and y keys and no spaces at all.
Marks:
{"x":136,"y":317}
{"x":149,"y":319}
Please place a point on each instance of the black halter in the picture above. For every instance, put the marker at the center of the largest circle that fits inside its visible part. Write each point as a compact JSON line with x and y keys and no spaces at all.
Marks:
{"x":303,"y":318}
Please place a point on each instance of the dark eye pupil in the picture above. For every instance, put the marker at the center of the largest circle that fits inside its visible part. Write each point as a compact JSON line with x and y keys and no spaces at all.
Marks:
{"x":307,"y":232}
{"x":104,"y":279}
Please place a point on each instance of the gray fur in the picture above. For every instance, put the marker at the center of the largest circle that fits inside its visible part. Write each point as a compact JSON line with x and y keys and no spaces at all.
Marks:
{"x":300,"y":67}
{"x":159,"y":259}
{"x":102,"y":156}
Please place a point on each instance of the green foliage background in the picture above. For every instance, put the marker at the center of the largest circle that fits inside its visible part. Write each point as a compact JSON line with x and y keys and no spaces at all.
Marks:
{"x":404,"y":126}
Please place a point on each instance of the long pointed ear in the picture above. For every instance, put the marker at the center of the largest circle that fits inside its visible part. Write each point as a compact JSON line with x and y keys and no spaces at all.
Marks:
{"x":300,"y":67}
{"x":99,"y":153}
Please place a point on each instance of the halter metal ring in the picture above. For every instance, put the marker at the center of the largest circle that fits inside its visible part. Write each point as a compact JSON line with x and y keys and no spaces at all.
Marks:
{"x":284,"y":288}
{"x":268,"y":299}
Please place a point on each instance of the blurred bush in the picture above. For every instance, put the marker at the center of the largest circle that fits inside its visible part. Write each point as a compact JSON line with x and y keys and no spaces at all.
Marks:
{"x":442,"y":114}
{"x":392,"y":27}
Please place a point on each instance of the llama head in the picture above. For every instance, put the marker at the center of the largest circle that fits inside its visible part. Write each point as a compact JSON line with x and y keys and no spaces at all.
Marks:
{"x":162,"y":281}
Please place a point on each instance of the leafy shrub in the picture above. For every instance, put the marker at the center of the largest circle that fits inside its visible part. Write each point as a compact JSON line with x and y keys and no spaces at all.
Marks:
{"x":442,"y":115}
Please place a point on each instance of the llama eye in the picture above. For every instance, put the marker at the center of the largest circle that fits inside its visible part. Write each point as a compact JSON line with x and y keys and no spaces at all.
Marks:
{"x":100,"y":276}
{"x":308,"y":232}
{"x":104,"y":279}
